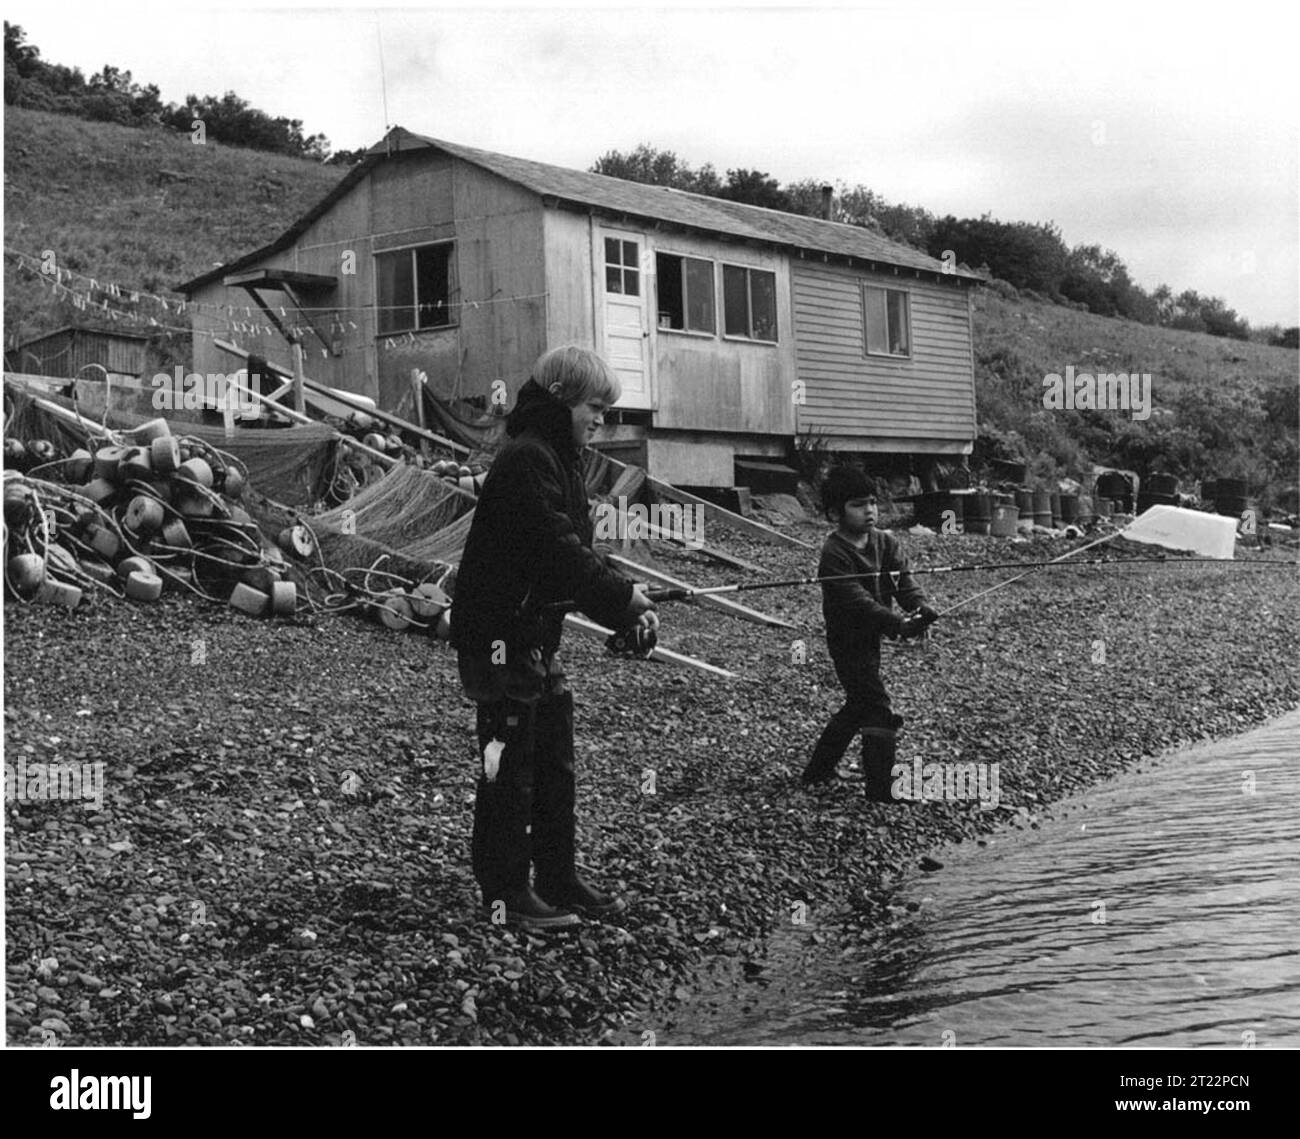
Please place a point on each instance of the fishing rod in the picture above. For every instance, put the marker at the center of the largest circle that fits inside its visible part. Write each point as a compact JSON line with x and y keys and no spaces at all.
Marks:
{"x":690,"y":593}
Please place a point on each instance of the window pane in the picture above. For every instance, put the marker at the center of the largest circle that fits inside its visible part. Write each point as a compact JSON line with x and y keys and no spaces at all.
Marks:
{"x":433,"y":285}
{"x":630,"y":256}
{"x":899,"y":342}
{"x":396,"y":291}
{"x":735,"y":300}
{"x":611,"y":251}
{"x":762,"y":296}
{"x":668,"y":290}
{"x":613,"y":279}
{"x":700,"y":315}
{"x":632,"y":282}
{"x":873,"y":301}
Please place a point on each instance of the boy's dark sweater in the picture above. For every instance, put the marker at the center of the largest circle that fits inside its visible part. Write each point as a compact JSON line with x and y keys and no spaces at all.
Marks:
{"x":859,"y":612}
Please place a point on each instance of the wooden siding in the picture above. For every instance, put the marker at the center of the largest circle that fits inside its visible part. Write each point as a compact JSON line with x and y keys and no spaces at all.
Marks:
{"x":714,"y":383}
{"x":428,"y":197}
{"x":929,"y":397}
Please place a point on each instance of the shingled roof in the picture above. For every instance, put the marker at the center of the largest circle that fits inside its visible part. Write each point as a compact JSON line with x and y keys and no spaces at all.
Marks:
{"x":624,"y":199}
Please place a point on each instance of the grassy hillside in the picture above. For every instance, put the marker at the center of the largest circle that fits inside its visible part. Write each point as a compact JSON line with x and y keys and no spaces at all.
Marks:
{"x":94,"y":194}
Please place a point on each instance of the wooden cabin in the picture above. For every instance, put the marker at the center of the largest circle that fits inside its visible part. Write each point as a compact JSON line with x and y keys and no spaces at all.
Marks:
{"x":72,"y":352}
{"x":733,"y":328}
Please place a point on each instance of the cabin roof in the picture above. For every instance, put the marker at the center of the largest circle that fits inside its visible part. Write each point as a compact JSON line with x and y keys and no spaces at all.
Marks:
{"x":621,"y":198}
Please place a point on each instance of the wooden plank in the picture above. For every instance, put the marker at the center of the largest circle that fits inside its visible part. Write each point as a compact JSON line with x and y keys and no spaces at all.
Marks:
{"x":591,"y":629}
{"x":321,"y":389}
{"x":718,"y":513}
{"x":709,"y":600}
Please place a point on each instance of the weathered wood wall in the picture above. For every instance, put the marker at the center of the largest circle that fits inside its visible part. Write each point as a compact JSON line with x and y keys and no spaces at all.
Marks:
{"x":926,"y":402}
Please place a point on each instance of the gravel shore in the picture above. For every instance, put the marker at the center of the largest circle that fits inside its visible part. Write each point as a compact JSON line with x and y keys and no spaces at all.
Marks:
{"x":281,"y":854}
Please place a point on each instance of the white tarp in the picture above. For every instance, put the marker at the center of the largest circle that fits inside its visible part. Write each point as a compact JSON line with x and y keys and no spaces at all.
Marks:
{"x":1210,"y":535}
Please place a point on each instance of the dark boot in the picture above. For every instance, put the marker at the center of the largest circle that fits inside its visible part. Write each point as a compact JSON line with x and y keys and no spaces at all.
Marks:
{"x":502,"y":844}
{"x":583,"y":897}
{"x":526,"y":910}
{"x":554,"y":795}
{"x":832,"y":745}
{"x":879,"y":749}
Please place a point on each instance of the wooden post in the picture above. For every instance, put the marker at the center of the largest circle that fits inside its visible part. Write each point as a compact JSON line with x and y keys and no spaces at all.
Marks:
{"x":299,"y":398}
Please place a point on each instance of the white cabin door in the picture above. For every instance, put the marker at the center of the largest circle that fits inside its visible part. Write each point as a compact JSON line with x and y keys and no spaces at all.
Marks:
{"x":623,"y":286}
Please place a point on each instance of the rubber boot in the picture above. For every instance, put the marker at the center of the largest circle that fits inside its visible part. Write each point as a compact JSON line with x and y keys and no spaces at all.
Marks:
{"x":503,"y":805}
{"x":879,"y":749}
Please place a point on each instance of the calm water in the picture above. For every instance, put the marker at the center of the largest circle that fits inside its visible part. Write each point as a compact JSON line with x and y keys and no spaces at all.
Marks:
{"x":1161,"y":909}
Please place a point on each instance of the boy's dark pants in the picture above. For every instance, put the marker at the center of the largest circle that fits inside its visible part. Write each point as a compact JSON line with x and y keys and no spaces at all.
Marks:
{"x":526,"y":813}
{"x":867,"y":710}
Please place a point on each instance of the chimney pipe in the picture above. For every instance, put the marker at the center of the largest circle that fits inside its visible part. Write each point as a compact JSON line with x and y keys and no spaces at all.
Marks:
{"x":828,"y":203}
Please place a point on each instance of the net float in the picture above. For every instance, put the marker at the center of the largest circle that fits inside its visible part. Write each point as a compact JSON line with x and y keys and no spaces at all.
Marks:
{"x":141,"y":586}
{"x":234,"y":484}
{"x":98,"y":490}
{"x":107,"y":460}
{"x":42,"y":450}
{"x":428,"y":601}
{"x":249,"y":600}
{"x":144,"y":515}
{"x":60,"y":593}
{"x":196,"y":471}
{"x":26,"y":574}
{"x":165,"y":454}
{"x":78,"y":465}
{"x":297,"y":541}
{"x":135,"y":564}
{"x":284,"y":599}
{"x":395,"y":610}
{"x":134,"y":464}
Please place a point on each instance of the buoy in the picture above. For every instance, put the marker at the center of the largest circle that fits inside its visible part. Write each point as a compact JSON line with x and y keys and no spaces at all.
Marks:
{"x":98,"y":571}
{"x":127,"y":566}
{"x":284,"y":599}
{"x":78,"y":465}
{"x":478,"y":482}
{"x":428,"y":601}
{"x":375,"y":441}
{"x":141,"y":586}
{"x":150,"y":431}
{"x":60,"y":593}
{"x":249,"y":600}
{"x":26,"y":574}
{"x":42,"y":450}
{"x":175,"y":534}
{"x":297,"y":541}
{"x":195,"y":505}
{"x":60,"y":559}
{"x":144,"y":515}
{"x":392,"y":444}
{"x":361,"y":421}
{"x":104,"y":542}
{"x":15,"y":453}
{"x":135,"y":464}
{"x":195,"y":471}
{"x":20,"y":501}
{"x":106,"y":462}
{"x":443,"y":629}
{"x":240,"y":516}
{"x":165,"y":454}
{"x":262,"y":578}
{"x":395,"y":610}
{"x":98,"y":490}
{"x":234,"y":484}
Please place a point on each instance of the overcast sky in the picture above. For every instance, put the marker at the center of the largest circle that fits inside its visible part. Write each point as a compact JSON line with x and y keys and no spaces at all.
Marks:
{"x":1165,"y":132}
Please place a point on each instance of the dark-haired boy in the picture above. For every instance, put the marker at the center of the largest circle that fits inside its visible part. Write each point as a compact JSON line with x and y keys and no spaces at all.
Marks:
{"x":858,"y":613}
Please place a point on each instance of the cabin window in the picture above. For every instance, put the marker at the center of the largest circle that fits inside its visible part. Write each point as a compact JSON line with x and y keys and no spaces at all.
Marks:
{"x":749,"y":303}
{"x":414,"y":288}
{"x":622,"y":267}
{"x":886,"y":319}
{"x":685,"y":293}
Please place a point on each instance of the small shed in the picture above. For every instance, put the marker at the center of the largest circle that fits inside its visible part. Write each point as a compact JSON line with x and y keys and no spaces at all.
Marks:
{"x":734,"y":329}
{"x":67,"y":351}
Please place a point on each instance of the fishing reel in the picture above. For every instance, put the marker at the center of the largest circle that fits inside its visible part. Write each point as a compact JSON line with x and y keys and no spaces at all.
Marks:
{"x":636,"y":641}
